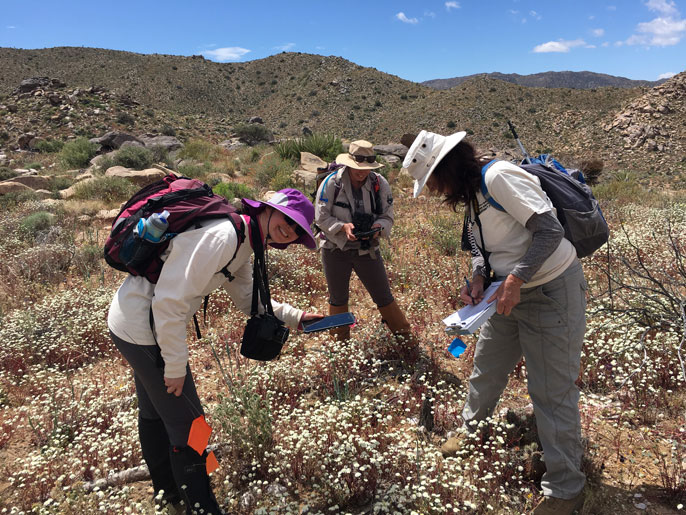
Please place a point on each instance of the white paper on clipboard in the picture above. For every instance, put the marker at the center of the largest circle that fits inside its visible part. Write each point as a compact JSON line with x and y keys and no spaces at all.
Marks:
{"x":471,"y":317}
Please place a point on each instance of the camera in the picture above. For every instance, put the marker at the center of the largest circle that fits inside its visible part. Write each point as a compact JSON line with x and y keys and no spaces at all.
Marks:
{"x":363,"y":228}
{"x":264,"y":337}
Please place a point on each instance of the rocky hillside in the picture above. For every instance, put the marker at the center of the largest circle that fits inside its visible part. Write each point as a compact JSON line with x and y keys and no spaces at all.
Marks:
{"x":575,"y":80}
{"x":99,"y":90}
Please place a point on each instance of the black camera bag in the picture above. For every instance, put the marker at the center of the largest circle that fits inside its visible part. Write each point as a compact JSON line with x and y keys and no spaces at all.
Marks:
{"x":264,"y":335}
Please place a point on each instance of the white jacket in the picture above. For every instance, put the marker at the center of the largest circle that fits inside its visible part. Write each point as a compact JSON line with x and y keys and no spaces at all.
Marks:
{"x":191,"y":271}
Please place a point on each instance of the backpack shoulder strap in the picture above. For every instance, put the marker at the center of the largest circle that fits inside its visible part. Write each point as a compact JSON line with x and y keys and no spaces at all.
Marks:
{"x":238,"y":224}
{"x":484,"y":189}
{"x":376,"y":190}
{"x":322,"y":195}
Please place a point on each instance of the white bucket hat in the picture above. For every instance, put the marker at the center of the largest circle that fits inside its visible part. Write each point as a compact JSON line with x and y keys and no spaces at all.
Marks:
{"x":426,"y":152}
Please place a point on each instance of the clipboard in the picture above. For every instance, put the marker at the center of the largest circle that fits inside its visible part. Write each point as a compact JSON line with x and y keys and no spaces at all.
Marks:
{"x":469,"y":318}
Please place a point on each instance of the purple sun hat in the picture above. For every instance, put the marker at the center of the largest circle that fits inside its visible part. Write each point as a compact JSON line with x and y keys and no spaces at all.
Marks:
{"x":295,"y":205}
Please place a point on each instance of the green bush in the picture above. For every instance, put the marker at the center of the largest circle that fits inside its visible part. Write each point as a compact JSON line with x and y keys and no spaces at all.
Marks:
{"x":137,"y":158}
{"x":125,"y":119}
{"x":78,"y":153}
{"x":35,"y":223}
{"x":107,"y":189}
{"x":271,"y":166}
{"x":49,"y":146}
{"x":7,"y":173}
{"x":231,"y":190}
{"x":325,"y":146}
{"x":252,"y":133}
{"x":195,"y":171}
{"x":200,"y":150}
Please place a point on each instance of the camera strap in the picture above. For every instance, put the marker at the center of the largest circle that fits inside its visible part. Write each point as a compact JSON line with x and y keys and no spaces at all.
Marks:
{"x":260,"y":282}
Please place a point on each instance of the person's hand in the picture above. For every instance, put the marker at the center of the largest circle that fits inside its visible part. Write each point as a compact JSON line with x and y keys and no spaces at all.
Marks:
{"x":474,"y":293}
{"x":308,"y":316}
{"x":507,"y":295}
{"x":377,"y":234}
{"x":174,"y":385}
{"x":349,"y":228}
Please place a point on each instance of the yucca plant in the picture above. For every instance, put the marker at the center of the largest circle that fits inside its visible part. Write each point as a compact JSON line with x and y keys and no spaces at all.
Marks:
{"x":325,"y":146}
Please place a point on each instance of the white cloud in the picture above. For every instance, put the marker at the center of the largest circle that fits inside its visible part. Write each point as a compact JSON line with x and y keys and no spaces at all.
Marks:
{"x":429,"y":14}
{"x":401,"y":16}
{"x":226,"y":54}
{"x":452,"y":5}
{"x":667,"y":75}
{"x":611,"y":8}
{"x":11,"y":27}
{"x":535,"y":15}
{"x":665,"y":7}
{"x":284,"y":48}
{"x":598,"y":32}
{"x":659,"y":32}
{"x":562,"y":46}
{"x":513,"y":12}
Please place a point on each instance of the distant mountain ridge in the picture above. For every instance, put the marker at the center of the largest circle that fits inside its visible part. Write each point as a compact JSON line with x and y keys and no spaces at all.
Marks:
{"x":567,"y":79}
{"x":291,"y":92}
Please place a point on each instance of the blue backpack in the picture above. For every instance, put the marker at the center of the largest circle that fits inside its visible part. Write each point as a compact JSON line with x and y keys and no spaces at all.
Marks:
{"x":577,"y":209}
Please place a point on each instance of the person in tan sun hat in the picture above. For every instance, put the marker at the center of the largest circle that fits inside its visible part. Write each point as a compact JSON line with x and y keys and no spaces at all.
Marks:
{"x":540,"y":305}
{"x":353,"y":209}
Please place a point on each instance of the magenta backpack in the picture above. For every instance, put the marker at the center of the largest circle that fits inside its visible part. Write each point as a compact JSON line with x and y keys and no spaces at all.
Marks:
{"x":188,"y":202}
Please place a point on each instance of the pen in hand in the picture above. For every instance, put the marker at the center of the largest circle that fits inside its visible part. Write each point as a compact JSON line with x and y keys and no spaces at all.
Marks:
{"x":469,"y":289}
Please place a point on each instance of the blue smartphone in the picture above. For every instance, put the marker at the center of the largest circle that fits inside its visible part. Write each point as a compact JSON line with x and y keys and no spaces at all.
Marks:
{"x":322,"y":324}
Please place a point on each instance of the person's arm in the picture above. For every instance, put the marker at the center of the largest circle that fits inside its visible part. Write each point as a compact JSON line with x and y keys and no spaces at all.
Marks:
{"x":546,"y":235}
{"x":323,"y":216}
{"x":385,"y":219}
{"x":192,"y":262}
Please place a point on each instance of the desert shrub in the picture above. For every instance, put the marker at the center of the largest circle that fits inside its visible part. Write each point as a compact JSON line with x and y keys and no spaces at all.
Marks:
{"x":252,"y":133}
{"x":269,"y":167}
{"x":200,"y":150}
{"x":61,"y":183}
{"x":49,"y":146}
{"x":6,"y":173}
{"x":168,"y":130}
{"x":134,"y":157}
{"x":623,"y":187}
{"x":107,"y":189}
{"x":444,"y":235}
{"x":195,"y":171}
{"x":87,"y":259}
{"x":231,"y":190}
{"x":125,"y":118}
{"x":160,"y":154}
{"x":78,"y":153}
{"x":325,"y":146}
{"x":35,"y":223}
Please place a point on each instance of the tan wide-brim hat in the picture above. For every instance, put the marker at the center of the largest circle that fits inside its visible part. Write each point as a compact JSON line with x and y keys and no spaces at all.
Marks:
{"x":426,"y":152}
{"x":359,"y":148}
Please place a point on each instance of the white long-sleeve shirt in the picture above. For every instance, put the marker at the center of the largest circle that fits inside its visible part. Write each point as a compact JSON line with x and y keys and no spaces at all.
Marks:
{"x":191,"y":271}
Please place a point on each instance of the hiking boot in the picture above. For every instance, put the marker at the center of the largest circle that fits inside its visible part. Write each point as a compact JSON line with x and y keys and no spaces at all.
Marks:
{"x":557,"y":506}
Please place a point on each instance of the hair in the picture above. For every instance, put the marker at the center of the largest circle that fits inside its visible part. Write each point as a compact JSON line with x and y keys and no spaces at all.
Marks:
{"x":458,"y":175}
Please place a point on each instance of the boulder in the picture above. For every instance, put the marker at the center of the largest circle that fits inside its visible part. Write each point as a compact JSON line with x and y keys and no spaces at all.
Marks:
{"x":311,"y":163}
{"x":255,"y":119}
{"x":391,"y":159}
{"x":304,"y":179}
{"x":26,"y":171}
{"x":393,"y":149}
{"x":43,"y":194}
{"x":107,"y":214}
{"x":113,"y":139}
{"x":218,"y":177}
{"x":232,"y":144}
{"x":28,"y":85}
{"x":3,"y":159}
{"x":132,"y":143}
{"x":35,"y":182}
{"x":138,"y":177}
{"x":170,"y":143}
{"x":12,"y":187}
{"x":71,"y":190}
{"x":33,"y":144}
{"x":24,"y":140}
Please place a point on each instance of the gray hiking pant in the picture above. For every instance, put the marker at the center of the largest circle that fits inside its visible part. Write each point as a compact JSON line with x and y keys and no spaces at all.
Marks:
{"x":547,"y":327}
{"x":338,"y":267}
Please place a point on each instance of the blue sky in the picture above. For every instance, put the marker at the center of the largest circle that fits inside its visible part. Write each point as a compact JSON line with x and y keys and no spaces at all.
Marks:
{"x":638,"y":39}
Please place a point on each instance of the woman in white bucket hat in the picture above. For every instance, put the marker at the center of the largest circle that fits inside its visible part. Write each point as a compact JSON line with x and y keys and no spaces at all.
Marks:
{"x":540,"y":304}
{"x":348,"y":199}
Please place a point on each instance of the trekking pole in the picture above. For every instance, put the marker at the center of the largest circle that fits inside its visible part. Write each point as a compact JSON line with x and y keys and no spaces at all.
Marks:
{"x":526,"y":155}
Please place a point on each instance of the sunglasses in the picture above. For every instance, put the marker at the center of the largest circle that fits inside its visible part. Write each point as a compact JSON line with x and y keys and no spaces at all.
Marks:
{"x":362,"y":159}
{"x":299,"y":231}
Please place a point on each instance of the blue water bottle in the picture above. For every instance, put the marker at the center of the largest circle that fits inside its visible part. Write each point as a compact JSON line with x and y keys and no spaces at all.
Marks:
{"x":153,"y":227}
